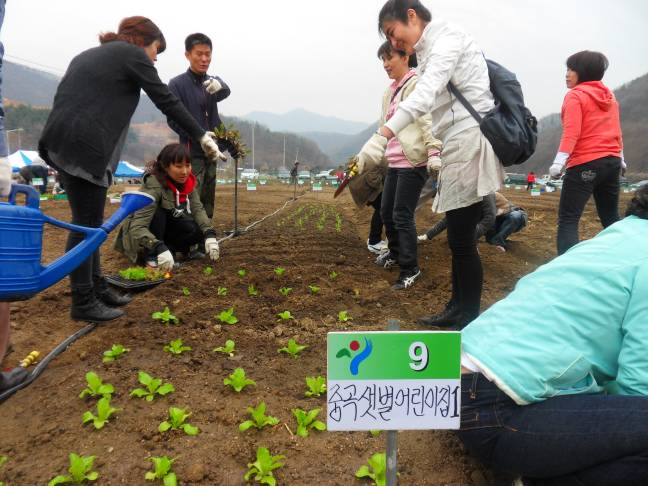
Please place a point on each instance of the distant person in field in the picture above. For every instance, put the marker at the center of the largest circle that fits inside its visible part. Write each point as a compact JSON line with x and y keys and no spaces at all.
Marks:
{"x":39,"y":172}
{"x":85,"y":133}
{"x":509,"y":219}
{"x":410,"y":159}
{"x":200,"y":93}
{"x":555,"y":376}
{"x":531,"y":180}
{"x":591,"y":147}
{"x":176,"y":222}
{"x":470,"y":169}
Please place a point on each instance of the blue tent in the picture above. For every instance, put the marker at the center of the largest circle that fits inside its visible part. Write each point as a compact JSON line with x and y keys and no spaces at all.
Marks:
{"x":126,"y":169}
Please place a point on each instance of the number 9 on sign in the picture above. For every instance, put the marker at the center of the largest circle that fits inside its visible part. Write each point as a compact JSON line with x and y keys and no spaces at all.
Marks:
{"x":418,"y":353}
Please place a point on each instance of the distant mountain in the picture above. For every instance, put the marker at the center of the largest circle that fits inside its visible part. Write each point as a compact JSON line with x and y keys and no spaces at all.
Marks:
{"x":300,"y":121}
{"x":633,"y":101}
{"x":30,"y":86}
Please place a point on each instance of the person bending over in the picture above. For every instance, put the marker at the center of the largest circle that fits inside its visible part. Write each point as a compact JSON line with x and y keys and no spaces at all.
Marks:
{"x":510,"y":219}
{"x":177,"y":219}
{"x":555,"y":376}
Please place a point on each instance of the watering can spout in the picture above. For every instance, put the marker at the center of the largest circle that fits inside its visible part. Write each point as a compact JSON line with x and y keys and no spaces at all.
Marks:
{"x":21,"y":228}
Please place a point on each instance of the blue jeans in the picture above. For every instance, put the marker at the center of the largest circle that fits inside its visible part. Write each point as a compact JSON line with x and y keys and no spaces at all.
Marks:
{"x":506,"y":225}
{"x":583,"y":440}
{"x":3,"y":135}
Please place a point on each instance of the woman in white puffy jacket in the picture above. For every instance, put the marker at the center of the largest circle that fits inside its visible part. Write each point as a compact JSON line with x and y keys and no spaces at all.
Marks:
{"x":470,"y":169}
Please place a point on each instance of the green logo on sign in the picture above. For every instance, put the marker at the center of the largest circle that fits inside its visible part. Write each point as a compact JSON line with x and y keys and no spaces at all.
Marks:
{"x":354,"y":346}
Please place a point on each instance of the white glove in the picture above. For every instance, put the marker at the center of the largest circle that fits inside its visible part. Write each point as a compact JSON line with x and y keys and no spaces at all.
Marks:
{"x":372,"y":152}
{"x":212,"y":86}
{"x":165,"y":261}
{"x":210,"y":147}
{"x":558,"y":164}
{"x":5,"y":176}
{"x":212,"y":249}
{"x":434,"y":162}
{"x":624,"y":166}
{"x":422,"y":237}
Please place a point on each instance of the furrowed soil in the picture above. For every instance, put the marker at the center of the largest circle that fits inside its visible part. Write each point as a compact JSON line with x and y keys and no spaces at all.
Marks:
{"x":41,"y":424}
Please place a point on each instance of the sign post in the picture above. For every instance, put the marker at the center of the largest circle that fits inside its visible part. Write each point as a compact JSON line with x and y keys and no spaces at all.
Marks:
{"x":393,"y":381}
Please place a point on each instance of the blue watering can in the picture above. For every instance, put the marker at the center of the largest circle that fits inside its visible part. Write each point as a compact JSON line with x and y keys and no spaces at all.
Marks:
{"x":21,"y":233}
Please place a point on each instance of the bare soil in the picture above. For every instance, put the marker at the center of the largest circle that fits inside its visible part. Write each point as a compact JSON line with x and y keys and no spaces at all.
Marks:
{"x":41,"y":425}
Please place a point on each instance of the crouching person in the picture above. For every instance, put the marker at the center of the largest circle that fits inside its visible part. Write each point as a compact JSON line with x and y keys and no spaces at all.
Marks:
{"x":175,"y":223}
{"x":509,"y":219}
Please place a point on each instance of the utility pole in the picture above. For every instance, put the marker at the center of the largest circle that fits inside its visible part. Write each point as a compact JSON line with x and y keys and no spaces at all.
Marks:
{"x":7,"y":132}
{"x":284,"y":157}
{"x":253,"y":125}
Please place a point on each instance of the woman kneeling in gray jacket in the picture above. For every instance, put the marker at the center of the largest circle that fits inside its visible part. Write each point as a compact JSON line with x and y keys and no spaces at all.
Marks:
{"x":175,"y":222}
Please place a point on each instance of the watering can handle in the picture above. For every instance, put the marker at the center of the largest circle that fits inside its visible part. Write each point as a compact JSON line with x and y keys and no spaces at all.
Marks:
{"x":33,"y":197}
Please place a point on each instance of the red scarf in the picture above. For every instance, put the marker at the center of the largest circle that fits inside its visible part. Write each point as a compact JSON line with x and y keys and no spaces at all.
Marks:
{"x":182,"y":194}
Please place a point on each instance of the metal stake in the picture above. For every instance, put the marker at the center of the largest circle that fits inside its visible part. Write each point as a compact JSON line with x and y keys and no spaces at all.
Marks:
{"x":392,"y":435}
{"x":235,"y":232}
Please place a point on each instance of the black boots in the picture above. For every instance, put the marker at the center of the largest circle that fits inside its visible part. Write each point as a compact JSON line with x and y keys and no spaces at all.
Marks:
{"x":87,"y":307}
{"x":106,"y":294}
{"x":9,"y":379}
{"x":452,"y":316}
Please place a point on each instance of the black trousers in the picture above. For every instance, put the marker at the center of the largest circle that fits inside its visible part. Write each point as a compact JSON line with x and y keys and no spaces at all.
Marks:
{"x":467,"y":272}
{"x":399,"y":198}
{"x":376,"y":228}
{"x":177,"y":233}
{"x":599,"y":177}
{"x":87,"y":203}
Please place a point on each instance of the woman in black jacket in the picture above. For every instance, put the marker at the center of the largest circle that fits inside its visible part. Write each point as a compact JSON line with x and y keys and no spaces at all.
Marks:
{"x":85,"y":133}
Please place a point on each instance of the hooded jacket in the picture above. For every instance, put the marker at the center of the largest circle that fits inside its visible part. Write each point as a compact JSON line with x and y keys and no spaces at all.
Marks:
{"x":134,"y":235}
{"x":591,"y":124}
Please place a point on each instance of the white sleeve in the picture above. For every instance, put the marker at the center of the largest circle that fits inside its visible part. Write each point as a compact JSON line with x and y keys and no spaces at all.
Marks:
{"x":441,"y":63}
{"x":561,"y":158}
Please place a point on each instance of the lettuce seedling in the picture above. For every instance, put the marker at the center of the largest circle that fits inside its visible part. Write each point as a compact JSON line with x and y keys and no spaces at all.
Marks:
{"x":153,"y":386}
{"x":307,"y":420}
{"x":343,"y":316}
{"x":262,"y":468}
{"x":293,"y":349}
{"x":222,"y":291}
{"x":104,"y":412}
{"x":80,"y":470}
{"x":252,"y":290}
{"x":176,"y":347}
{"x":316,"y":386}
{"x":227,"y":316}
{"x":96,"y":387}
{"x":162,"y":470}
{"x":375,"y":433}
{"x":238,"y":381}
{"x":177,"y":418}
{"x":279,"y":271}
{"x":333,"y":275}
{"x":114,"y":352}
{"x":376,"y":469}
{"x":165,"y":316}
{"x":186,"y":292}
{"x":285,"y":315}
{"x":259,"y":418}
{"x":227,"y":349}
{"x":241,"y":272}
{"x":314,"y":289}
{"x":285,"y":291}
{"x":207,"y":271}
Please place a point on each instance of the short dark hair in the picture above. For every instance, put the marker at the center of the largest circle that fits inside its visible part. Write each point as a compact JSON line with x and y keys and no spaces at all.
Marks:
{"x":196,"y":39}
{"x":589,"y":65}
{"x":638,"y":206}
{"x":386,"y":49}
{"x":397,"y":10}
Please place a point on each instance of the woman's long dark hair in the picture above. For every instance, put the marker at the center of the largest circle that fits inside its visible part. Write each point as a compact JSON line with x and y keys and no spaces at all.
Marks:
{"x":397,"y":10}
{"x":639,"y":204}
{"x":171,"y":154}
{"x":140,"y":31}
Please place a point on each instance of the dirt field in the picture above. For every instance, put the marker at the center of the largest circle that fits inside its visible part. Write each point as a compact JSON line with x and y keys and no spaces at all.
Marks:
{"x":41,"y":425}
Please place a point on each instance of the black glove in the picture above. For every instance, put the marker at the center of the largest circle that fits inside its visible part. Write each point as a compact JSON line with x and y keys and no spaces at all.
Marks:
{"x":228,"y":145}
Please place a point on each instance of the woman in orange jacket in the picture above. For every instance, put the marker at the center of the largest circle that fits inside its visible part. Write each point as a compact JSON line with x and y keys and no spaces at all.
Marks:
{"x":591,"y":147}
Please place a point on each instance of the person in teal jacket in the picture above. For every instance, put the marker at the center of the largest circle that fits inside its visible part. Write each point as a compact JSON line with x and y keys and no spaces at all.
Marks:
{"x":555,"y":376}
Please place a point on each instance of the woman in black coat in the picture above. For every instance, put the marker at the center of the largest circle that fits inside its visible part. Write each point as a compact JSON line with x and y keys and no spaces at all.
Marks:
{"x":85,"y":133}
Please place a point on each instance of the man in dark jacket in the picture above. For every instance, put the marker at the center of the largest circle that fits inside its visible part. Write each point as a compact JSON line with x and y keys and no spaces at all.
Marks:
{"x":200,"y":93}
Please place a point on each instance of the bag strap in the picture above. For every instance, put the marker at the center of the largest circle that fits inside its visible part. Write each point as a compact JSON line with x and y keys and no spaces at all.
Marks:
{"x":453,"y":89}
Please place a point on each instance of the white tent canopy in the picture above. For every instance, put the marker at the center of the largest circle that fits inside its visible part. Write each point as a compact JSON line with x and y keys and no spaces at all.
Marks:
{"x":21,"y":158}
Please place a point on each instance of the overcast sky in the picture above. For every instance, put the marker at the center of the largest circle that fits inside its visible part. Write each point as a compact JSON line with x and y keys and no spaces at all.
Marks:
{"x":321,"y":55}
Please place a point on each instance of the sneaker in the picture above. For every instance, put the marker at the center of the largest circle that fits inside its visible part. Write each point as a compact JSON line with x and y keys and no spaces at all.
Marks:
{"x":386,"y":260}
{"x":377,"y":248}
{"x":423,"y":237}
{"x":406,"y":279}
